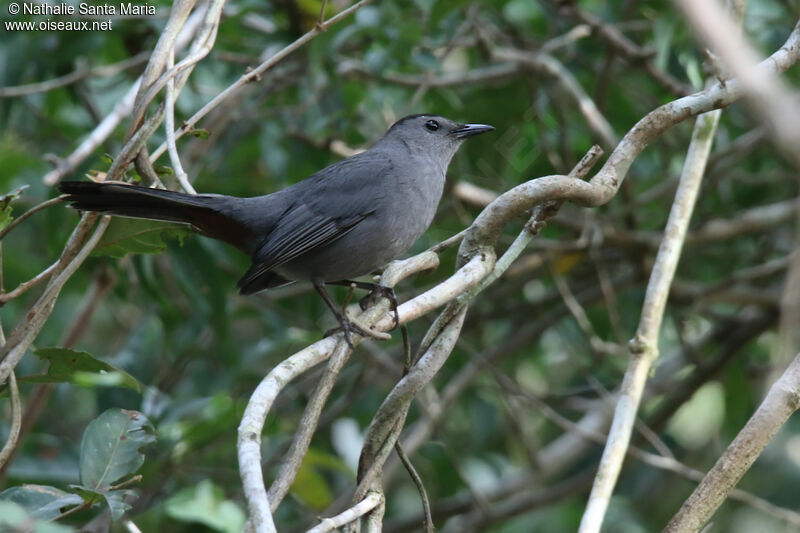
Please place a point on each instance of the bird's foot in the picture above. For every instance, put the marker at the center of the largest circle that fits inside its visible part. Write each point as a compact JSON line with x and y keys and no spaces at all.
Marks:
{"x":381,"y":291}
{"x":349,"y":325}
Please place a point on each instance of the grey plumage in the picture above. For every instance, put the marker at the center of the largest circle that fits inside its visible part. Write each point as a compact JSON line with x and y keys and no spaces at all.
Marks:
{"x":342,"y":222}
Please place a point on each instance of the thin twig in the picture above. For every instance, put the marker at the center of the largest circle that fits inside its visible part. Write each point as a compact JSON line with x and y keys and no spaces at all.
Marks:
{"x":169,"y":126}
{"x":255,"y":74}
{"x":75,"y":252}
{"x":426,"y":504}
{"x":644,"y":347}
{"x":33,"y":210}
{"x":370,"y":502}
{"x":120,"y":111}
{"x":78,"y":74}
{"x":25,"y":286}
{"x":290,"y":465}
{"x":16,"y":421}
{"x":780,"y":403}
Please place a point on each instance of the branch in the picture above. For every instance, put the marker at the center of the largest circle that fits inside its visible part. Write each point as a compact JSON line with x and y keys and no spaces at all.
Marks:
{"x":644,"y":346}
{"x":781,"y":401}
{"x":73,"y":256}
{"x":25,"y":286}
{"x":121,"y":111}
{"x":767,"y":94}
{"x":290,"y":465}
{"x":33,"y":210}
{"x":255,"y":74}
{"x":16,"y":421}
{"x":605,"y":184}
{"x":252,"y":424}
{"x":370,"y":502}
{"x":78,"y":74}
{"x":546,"y":64}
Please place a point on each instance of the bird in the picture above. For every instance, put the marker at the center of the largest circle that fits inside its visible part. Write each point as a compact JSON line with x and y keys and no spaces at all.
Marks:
{"x":343,"y":222}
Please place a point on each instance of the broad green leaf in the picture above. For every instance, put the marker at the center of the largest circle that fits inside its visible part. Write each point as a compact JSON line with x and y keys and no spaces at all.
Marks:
{"x":125,"y":235}
{"x":80,"y":368}
{"x":110,"y":447}
{"x":206,"y":503}
{"x":14,"y":517}
{"x":115,"y":499}
{"x":40,"y":501}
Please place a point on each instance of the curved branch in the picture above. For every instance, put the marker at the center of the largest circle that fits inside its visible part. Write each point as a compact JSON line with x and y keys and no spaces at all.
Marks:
{"x":781,"y":401}
{"x":16,"y":421}
{"x":605,"y":184}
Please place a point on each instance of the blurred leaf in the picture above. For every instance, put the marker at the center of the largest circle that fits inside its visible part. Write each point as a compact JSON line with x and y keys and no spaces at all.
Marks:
{"x":663,"y":35}
{"x":110,"y":447}
{"x":310,"y":487}
{"x":310,"y":10}
{"x":200,"y":133}
{"x":521,"y":11}
{"x":163,"y":170}
{"x":13,"y":518}
{"x":699,"y":420}
{"x":205,"y":503}
{"x":5,"y":205}
{"x":40,"y":501}
{"x":691,"y":65}
{"x":125,"y":235}
{"x":564,"y":263}
{"x":80,"y":368}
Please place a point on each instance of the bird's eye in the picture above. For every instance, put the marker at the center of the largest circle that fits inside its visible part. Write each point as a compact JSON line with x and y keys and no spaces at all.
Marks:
{"x":432,"y":125}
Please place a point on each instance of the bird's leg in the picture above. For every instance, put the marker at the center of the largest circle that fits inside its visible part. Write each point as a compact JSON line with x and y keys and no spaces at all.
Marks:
{"x":376,"y":290}
{"x":347,"y":324}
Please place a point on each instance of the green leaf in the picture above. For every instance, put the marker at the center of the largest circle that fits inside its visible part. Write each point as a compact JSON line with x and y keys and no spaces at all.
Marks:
{"x":116,"y":502}
{"x":163,"y":170}
{"x":5,"y":206}
{"x":206,"y":503}
{"x":110,"y":447}
{"x":125,"y":235}
{"x":309,"y":486}
{"x":200,"y":133}
{"x":40,"y":501}
{"x":80,"y":368}
{"x":14,"y":517}
{"x":115,"y":499}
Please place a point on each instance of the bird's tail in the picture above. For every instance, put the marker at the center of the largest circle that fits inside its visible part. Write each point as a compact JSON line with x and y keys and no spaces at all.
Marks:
{"x":208,"y":213}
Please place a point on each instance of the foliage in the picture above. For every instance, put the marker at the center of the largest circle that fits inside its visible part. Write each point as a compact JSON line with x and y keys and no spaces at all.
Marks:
{"x":152,"y":339}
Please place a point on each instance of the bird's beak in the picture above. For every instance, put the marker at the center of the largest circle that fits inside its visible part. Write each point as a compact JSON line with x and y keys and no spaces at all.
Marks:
{"x":468,"y":130}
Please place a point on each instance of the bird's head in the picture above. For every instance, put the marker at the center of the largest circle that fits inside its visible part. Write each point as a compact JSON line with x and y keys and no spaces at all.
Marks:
{"x":432,"y":135}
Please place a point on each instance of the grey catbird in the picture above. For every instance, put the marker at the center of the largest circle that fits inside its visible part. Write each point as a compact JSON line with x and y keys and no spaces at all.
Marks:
{"x":342,"y":222}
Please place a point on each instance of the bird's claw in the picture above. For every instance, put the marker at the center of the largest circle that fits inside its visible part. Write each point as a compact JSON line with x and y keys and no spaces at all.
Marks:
{"x":385,"y":292}
{"x":349,"y":326}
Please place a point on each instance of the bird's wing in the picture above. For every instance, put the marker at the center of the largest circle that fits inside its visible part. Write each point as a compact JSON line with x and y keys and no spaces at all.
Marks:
{"x":327,"y":206}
